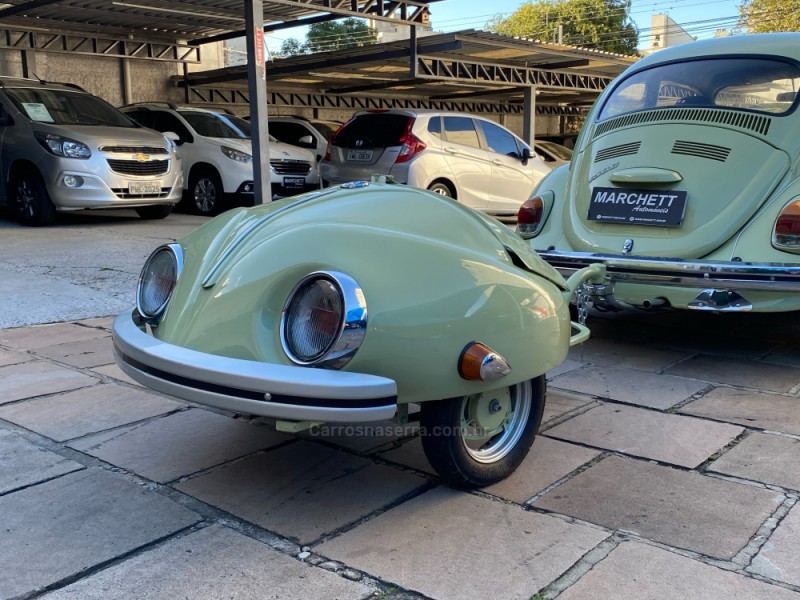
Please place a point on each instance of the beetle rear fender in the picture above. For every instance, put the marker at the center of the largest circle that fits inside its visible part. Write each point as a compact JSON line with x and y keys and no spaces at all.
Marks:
{"x":754,"y":242}
{"x":554,"y":189}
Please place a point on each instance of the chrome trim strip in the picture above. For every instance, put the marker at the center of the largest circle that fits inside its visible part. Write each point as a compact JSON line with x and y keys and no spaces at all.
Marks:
{"x":252,"y":387}
{"x":772,"y":277}
{"x":210,"y":280}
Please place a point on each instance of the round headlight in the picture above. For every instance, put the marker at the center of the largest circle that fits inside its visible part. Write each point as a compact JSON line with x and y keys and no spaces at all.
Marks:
{"x":157,"y":280}
{"x":324,"y":320}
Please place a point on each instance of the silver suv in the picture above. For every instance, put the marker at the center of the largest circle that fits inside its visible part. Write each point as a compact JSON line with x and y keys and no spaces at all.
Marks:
{"x":463,"y":156}
{"x":61,"y":148}
{"x":217,"y":156}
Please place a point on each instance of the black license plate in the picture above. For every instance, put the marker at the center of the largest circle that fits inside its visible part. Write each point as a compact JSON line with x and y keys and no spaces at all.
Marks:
{"x":295,"y":183}
{"x":637,"y":207}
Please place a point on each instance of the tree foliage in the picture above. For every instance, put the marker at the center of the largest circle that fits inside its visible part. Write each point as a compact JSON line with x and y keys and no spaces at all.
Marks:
{"x":766,"y":16}
{"x":601,"y":24}
{"x":332,"y":35}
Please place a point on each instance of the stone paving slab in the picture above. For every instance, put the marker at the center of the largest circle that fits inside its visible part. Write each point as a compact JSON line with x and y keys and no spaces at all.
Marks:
{"x":363,"y":438}
{"x":62,"y":527}
{"x":778,"y":558}
{"x":560,"y":402}
{"x":40,"y":336}
{"x":302,"y":490}
{"x":785,"y":355}
{"x":615,"y":353}
{"x":89,"y":410}
{"x":636,"y":571}
{"x":772,"y":459}
{"x":176,"y":445}
{"x":749,"y":408}
{"x":565,"y":367}
{"x":23,"y":463}
{"x":12,"y":357}
{"x":213,"y":563}
{"x":548,"y":461}
{"x":114,"y":372}
{"x":674,"y":439}
{"x":683,"y":509}
{"x":85,"y":354}
{"x":30,"y":379}
{"x":630,"y":386}
{"x":446,"y":544}
{"x":750,"y":374}
{"x":103,"y":322}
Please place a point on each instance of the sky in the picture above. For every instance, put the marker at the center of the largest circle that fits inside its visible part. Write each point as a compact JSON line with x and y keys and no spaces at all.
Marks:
{"x":700,"y":18}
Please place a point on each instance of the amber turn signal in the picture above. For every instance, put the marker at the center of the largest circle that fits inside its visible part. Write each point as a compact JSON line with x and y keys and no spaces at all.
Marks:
{"x":478,"y":362}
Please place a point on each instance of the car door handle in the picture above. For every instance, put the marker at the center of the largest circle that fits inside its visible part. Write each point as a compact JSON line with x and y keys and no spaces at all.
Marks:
{"x":450,"y":150}
{"x":497,"y":162}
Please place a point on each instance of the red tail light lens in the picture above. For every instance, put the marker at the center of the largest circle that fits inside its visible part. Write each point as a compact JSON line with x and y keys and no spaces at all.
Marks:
{"x":412,"y":145}
{"x":529,"y":217}
{"x":787,"y":227}
{"x":330,"y":141}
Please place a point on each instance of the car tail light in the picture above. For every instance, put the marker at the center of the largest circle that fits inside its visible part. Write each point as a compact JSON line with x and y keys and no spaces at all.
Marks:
{"x":787,"y":227}
{"x":529,"y":217}
{"x":333,"y":137}
{"x":412,"y":145}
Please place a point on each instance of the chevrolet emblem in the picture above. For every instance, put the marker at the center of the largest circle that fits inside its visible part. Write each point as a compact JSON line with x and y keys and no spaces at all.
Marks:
{"x":141,"y":157}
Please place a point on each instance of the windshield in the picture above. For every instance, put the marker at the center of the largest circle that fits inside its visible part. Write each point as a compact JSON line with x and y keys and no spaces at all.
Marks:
{"x":64,"y":107}
{"x":758,"y":84}
{"x":211,"y":125}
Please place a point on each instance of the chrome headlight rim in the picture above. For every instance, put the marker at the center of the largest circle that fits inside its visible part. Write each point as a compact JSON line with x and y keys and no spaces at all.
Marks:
{"x":153,"y":318}
{"x":352,"y":324}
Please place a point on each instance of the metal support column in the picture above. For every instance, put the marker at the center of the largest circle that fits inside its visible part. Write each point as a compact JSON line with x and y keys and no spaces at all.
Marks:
{"x":29,"y":64}
{"x":529,"y":115}
{"x":125,"y":72}
{"x":257,"y":88}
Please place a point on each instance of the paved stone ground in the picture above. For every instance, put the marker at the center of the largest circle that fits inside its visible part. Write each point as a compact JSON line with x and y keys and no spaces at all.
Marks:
{"x":667,"y":466}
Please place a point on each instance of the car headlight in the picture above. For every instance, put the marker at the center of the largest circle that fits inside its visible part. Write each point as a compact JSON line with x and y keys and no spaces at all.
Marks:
{"x":236,"y":155}
{"x":157,"y":281}
{"x":61,"y":146}
{"x":324,"y":320}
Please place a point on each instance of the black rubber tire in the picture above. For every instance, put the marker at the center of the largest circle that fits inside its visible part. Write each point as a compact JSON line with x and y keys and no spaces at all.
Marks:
{"x":31,"y":202}
{"x":442,"y":188}
{"x":156,"y":211}
{"x":205,"y":193}
{"x":445,"y":449}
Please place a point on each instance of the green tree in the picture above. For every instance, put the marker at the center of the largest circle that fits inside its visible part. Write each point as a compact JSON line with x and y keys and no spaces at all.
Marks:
{"x":601,"y":24}
{"x":338,"y":35}
{"x":766,"y":16}
{"x":293,"y":46}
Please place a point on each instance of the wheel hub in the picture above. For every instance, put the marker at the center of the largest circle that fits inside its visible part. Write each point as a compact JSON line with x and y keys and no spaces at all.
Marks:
{"x":488,"y":412}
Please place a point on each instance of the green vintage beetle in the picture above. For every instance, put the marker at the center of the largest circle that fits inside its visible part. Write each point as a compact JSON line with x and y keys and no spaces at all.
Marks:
{"x":347,"y":305}
{"x":685,"y":182}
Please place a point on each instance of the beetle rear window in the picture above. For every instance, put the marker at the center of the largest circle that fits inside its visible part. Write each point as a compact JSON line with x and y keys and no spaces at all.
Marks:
{"x":758,"y":84}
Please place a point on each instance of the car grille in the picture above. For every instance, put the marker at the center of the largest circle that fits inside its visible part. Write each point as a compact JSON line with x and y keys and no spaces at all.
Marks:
{"x":291,"y":167}
{"x":135,"y":149}
{"x":135,"y":167}
{"x":123,"y":193}
{"x":701,"y":150}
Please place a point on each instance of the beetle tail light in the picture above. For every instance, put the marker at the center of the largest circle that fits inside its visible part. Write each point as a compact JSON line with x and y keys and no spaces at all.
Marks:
{"x":478,"y":362}
{"x":787,"y":227}
{"x":529,"y":217}
{"x":412,"y":145}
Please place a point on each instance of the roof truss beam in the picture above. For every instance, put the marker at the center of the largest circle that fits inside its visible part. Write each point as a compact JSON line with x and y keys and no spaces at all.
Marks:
{"x":91,"y":45}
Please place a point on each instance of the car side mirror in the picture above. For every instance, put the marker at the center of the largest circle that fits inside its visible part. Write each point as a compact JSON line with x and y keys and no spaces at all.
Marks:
{"x":526,"y":155}
{"x":173,"y":137}
{"x":307,"y":141}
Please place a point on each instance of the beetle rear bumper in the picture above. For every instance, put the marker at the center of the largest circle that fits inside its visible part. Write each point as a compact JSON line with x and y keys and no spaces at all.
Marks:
{"x":247,"y":386}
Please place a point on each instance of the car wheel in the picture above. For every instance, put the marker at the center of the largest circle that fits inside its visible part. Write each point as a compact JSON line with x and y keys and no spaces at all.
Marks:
{"x":205,"y":188}
{"x":31,"y":201}
{"x":477,"y":440}
{"x":441,"y":188}
{"x":156,"y":211}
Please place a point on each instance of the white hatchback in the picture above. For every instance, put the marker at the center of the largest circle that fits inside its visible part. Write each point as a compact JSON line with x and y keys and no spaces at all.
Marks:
{"x":218,"y":158}
{"x":466,"y":157}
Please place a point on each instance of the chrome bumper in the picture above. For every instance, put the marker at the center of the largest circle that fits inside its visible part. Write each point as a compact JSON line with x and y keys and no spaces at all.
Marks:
{"x":247,"y":386}
{"x":720,"y":286}
{"x":741,"y":276}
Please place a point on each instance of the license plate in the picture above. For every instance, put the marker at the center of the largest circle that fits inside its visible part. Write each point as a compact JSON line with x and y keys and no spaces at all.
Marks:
{"x":362,"y":155}
{"x":294,"y":182}
{"x":144,"y":187}
{"x":637,"y":207}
